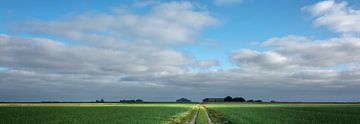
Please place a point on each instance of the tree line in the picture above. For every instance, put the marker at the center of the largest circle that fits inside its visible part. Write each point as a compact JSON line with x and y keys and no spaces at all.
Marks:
{"x":239,"y":99}
{"x":123,"y":101}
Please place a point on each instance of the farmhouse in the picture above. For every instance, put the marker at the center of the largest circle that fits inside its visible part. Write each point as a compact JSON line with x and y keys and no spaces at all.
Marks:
{"x":182,"y":100}
{"x":213,"y":100}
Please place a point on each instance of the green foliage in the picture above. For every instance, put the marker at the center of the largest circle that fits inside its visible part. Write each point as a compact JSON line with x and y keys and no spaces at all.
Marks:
{"x":287,"y":113}
{"x":201,"y":117}
{"x":182,"y":118}
{"x":91,"y":113}
{"x":170,"y":113}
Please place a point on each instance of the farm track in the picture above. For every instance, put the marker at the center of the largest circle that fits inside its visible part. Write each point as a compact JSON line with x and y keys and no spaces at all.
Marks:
{"x":202,"y":111}
{"x":208,"y":118}
{"x":193,"y":121}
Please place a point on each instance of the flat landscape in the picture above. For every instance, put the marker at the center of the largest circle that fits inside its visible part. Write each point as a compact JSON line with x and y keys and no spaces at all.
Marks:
{"x":176,"y":113}
{"x":179,"y":61}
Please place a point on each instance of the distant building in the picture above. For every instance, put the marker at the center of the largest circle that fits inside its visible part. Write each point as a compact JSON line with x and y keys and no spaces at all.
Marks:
{"x":213,"y":100}
{"x":182,"y":100}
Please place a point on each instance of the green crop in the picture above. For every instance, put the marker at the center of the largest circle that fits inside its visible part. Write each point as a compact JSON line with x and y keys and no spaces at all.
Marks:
{"x":201,"y":117}
{"x":286,"y":113}
{"x":91,"y":113}
{"x":170,"y":113}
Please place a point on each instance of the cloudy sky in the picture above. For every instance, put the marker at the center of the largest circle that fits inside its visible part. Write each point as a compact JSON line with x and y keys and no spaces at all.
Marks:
{"x":82,"y":50}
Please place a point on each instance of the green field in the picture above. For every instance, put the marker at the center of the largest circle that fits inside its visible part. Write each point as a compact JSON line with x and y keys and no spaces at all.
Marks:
{"x":85,"y":113}
{"x":285,"y":113}
{"x":172,"y":113}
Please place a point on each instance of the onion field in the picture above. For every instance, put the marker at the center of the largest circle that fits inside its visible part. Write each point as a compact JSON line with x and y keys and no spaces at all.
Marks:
{"x":285,"y":113}
{"x":84,"y":113}
{"x":175,"y":113}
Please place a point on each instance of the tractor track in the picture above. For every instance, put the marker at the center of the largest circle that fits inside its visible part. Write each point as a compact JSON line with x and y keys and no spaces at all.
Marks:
{"x":193,"y":121}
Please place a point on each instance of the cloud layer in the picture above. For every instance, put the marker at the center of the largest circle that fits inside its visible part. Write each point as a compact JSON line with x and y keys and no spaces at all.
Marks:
{"x":120,"y":54}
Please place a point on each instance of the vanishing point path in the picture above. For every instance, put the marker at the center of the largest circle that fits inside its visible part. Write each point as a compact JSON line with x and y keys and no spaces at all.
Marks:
{"x":201,"y":116}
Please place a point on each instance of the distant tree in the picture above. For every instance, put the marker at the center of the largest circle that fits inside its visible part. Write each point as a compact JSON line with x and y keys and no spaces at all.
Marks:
{"x":250,"y":100}
{"x":258,"y":100}
{"x":205,"y":100}
{"x":228,"y":99}
{"x":239,"y":99}
{"x":102,"y":100}
{"x":272,"y":101}
{"x":139,"y":100}
{"x":130,"y":100}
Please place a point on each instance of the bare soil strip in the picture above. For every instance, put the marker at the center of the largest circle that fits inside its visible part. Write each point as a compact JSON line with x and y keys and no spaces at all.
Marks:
{"x":208,"y":118}
{"x":193,"y":121}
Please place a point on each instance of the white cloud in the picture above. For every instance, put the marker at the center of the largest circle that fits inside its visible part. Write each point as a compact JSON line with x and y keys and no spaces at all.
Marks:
{"x":338,"y":16}
{"x":166,"y":23}
{"x":226,"y":2}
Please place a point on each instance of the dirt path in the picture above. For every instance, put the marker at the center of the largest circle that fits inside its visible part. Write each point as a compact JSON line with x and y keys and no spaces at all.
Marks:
{"x":193,"y":121}
{"x":208,"y":118}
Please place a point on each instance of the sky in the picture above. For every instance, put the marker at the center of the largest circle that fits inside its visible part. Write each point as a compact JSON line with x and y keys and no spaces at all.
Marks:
{"x":157,"y":50}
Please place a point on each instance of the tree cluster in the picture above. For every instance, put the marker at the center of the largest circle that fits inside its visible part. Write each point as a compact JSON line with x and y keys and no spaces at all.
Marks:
{"x":50,"y":101}
{"x":100,"y":101}
{"x":123,"y":101}
{"x":132,"y":101}
{"x":251,"y":100}
{"x":235,"y":99}
{"x":239,"y":99}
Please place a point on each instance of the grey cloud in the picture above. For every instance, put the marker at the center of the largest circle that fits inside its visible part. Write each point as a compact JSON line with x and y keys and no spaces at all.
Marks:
{"x":206,"y":64}
{"x":41,"y":66}
{"x":51,"y":56}
{"x":321,"y":53}
{"x":296,"y":51}
{"x":266,"y":60}
{"x":295,"y":61}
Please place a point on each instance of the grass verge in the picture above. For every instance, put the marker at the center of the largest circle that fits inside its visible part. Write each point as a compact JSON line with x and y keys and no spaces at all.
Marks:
{"x":182,"y":118}
{"x":217,"y":117}
{"x":201,"y":118}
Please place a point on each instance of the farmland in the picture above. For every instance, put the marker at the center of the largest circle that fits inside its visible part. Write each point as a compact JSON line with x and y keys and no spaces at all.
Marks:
{"x":175,"y":113}
{"x":86,"y":113}
{"x":285,"y":113}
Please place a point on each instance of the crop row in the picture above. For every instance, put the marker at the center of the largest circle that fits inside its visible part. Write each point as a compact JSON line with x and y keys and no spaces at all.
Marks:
{"x":284,"y":113}
{"x":93,"y":114}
